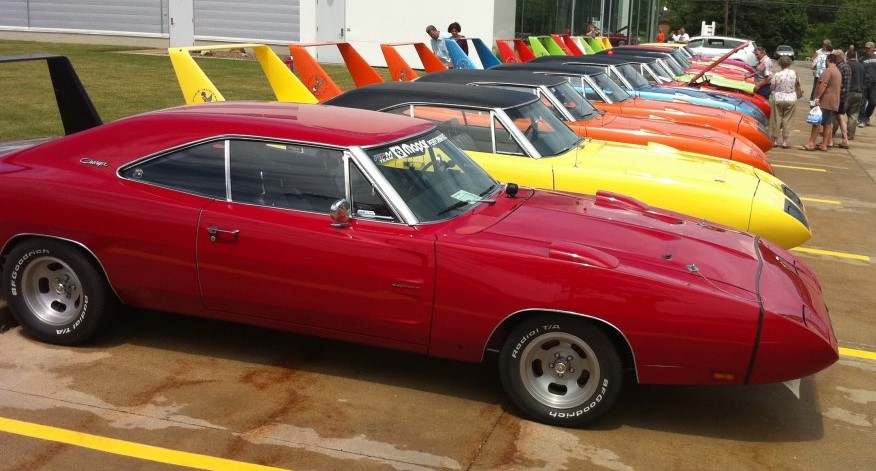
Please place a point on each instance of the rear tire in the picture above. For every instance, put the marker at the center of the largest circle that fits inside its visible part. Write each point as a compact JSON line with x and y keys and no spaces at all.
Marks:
{"x":56,"y":293}
{"x":560,"y":370}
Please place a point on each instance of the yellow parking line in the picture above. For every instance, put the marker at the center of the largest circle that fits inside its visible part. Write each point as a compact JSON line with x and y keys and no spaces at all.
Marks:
{"x":794,"y":167}
{"x":125,"y":448}
{"x":831,"y":253}
{"x":850,"y":352}
{"x":819,"y":200}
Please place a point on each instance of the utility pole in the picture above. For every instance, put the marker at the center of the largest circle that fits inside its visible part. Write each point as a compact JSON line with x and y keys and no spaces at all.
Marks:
{"x":726,"y":16}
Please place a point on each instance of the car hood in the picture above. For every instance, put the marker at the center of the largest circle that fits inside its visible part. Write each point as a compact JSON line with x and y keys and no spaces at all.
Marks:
{"x":658,"y":161}
{"x":665,"y":127}
{"x":608,"y":230}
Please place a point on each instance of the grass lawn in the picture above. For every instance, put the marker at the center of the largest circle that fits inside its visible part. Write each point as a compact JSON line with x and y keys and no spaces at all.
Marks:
{"x":120,"y":84}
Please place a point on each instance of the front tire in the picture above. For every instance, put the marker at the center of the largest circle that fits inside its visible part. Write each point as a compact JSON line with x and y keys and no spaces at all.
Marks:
{"x":560,"y":370}
{"x":56,"y":293}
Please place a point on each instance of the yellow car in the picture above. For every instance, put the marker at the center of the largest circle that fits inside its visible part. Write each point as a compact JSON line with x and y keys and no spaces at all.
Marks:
{"x":518,"y":139}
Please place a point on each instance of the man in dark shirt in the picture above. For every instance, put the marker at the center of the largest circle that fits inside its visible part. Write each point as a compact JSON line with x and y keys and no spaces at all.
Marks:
{"x":841,"y":120}
{"x":868,"y":60}
{"x":856,"y":88}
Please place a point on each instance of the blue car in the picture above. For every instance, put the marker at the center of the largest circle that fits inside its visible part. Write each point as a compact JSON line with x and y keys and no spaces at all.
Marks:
{"x":636,"y":84}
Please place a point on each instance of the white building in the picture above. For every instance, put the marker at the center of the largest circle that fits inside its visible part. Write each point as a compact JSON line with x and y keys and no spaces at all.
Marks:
{"x":364,"y":23}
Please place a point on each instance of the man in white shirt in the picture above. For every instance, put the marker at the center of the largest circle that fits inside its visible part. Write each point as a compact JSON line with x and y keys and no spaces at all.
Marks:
{"x":818,"y":65}
{"x":438,"y":46}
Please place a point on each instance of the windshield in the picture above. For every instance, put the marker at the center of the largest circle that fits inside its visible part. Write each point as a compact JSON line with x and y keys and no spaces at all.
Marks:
{"x":661,"y":70}
{"x":681,"y":58}
{"x":543,"y":129}
{"x":669,"y":68}
{"x":650,"y":74}
{"x":574,"y":102}
{"x":611,"y":90}
{"x":435,"y":178}
{"x":673,"y":65}
{"x":634,"y":77}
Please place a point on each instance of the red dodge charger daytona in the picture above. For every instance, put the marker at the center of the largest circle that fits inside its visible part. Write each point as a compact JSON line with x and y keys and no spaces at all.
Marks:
{"x":375,"y":228}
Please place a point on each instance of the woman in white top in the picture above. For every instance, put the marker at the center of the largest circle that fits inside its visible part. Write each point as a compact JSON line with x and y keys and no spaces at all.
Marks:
{"x":783,"y":85}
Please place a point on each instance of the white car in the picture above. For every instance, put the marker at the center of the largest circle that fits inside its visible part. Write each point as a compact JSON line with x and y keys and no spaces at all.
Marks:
{"x":717,"y":46}
{"x":784,"y":50}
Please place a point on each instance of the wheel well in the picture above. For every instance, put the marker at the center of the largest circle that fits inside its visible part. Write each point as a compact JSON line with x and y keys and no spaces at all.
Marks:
{"x":617,"y":339}
{"x":21,"y":238}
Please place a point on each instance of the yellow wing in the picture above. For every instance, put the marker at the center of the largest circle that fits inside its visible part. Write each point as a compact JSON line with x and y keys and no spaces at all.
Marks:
{"x":198,"y":88}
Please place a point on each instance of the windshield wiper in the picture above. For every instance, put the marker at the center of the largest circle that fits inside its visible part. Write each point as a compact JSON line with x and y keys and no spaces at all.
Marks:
{"x":453,"y":206}
{"x":578,"y":144}
{"x":488,"y":190}
{"x":460,"y":204}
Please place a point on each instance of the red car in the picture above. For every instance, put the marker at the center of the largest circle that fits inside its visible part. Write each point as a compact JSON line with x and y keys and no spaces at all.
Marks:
{"x":375,"y":228}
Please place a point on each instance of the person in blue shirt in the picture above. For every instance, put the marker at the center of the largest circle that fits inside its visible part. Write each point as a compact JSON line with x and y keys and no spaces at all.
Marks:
{"x":438,"y":46}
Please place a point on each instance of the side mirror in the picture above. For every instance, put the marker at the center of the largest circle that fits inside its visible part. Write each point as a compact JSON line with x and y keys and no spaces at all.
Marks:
{"x":340,"y":214}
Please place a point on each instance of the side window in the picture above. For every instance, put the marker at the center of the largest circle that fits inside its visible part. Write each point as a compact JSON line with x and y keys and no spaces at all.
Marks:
{"x":366,"y":201}
{"x":695,"y":43}
{"x":505,"y":142}
{"x":463,"y":127}
{"x":198,"y":169}
{"x":286,"y":176}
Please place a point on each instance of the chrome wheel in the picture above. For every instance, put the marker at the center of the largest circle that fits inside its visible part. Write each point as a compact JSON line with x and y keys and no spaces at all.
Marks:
{"x":560,"y":370}
{"x":52,"y":291}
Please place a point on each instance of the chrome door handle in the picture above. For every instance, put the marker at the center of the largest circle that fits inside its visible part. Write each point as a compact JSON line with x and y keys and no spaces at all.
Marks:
{"x":214,"y":232}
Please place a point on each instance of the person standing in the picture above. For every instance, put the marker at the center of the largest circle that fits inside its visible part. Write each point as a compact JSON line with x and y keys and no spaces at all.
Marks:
{"x":868,"y":60}
{"x":661,"y":37}
{"x":763,"y":73}
{"x":826,"y":97}
{"x":455,"y":31}
{"x":683,"y":37}
{"x":841,"y":120}
{"x":784,"y":92}
{"x":818,"y":64}
{"x":856,"y":88}
{"x":438,"y":46}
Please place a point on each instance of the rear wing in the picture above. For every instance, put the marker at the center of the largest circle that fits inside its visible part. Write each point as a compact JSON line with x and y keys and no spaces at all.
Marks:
{"x":318,"y":81}
{"x":461,"y":60}
{"x":198,"y":88}
{"x":399,"y":68}
{"x":74,"y":105}
{"x":519,"y":53}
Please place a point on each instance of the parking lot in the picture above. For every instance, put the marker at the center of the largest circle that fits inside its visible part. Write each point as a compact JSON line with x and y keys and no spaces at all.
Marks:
{"x":163,"y":391}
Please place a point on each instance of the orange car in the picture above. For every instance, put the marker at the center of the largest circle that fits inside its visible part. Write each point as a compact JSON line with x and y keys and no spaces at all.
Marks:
{"x":559,"y":95}
{"x":608,"y":96}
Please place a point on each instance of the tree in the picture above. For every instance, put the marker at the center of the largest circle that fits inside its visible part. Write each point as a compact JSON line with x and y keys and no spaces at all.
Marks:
{"x":768,"y":22}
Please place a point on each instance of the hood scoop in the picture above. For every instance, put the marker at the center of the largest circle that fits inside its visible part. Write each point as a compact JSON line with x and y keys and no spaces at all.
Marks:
{"x":608,"y":199}
{"x":578,"y":253}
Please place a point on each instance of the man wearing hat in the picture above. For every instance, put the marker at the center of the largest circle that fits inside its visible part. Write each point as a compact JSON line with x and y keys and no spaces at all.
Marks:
{"x":868,"y":60}
{"x":819,"y":64}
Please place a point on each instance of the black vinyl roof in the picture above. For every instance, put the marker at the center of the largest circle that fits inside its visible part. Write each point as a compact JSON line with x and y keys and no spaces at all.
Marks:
{"x":387,"y":95}
{"x":584,"y":59}
{"x":553,"y":68}
{"x":635,"y":52}
{"x":491,"y":77}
